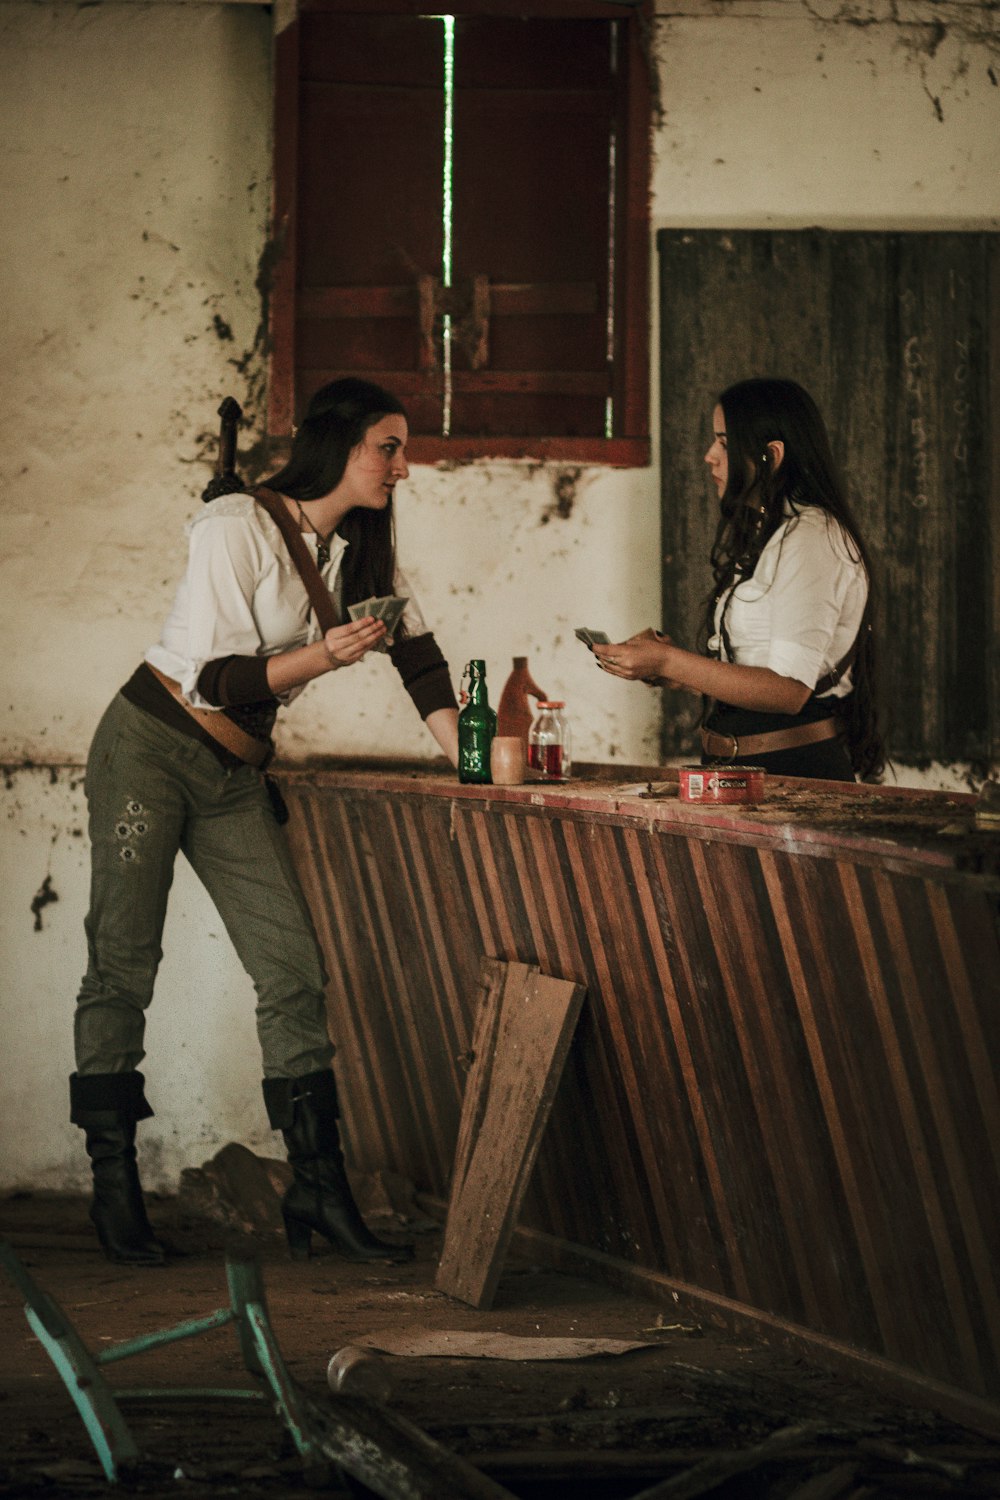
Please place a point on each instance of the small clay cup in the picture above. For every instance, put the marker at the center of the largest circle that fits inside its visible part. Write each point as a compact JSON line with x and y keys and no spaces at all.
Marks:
{"x":507,"y":760}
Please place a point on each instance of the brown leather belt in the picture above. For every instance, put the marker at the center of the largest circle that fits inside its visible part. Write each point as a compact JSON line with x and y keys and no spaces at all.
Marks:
{"x":219,"y":725}
{"x":729,"y":746}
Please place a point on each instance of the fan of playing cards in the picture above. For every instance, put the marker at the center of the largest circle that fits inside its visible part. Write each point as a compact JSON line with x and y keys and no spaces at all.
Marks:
{"x":592,"y":637}
{"x":390,"y":609}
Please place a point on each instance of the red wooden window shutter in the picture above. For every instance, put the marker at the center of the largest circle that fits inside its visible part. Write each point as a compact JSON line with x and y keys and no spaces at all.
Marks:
{"x":547,"y":304}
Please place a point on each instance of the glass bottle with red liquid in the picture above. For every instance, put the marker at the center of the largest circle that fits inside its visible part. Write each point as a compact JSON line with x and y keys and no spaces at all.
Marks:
{"x":549,"y":742}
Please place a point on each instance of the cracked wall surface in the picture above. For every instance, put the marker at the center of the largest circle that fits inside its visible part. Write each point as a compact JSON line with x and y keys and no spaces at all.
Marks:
{"x":136,"y":177}
{"x":876,"y":114}
{"x":134,"y":173}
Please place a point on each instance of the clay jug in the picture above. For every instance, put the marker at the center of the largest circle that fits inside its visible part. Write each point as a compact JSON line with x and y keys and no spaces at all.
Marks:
{"x":514,"y":713}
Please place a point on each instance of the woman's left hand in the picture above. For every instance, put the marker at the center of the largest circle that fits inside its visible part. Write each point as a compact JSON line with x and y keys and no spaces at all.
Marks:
{"x":642,"y":657}
{"x":346,"y":644}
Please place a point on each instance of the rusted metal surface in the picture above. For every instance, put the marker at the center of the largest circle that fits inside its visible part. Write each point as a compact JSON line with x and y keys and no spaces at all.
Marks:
{"x":783,"y":1087}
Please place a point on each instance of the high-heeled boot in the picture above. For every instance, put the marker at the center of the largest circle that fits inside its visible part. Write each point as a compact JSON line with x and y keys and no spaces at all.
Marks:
{"x":107,"y":1107}
{"x":319,"y":1197}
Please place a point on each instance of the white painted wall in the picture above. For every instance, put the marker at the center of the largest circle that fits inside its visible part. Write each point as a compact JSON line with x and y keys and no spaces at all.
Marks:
{"x":884,"y":115}
{"x":134,"y":177}
{"x":203,"y":1067}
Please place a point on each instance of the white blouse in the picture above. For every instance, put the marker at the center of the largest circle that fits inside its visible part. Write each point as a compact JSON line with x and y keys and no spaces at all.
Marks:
{"x":800,"y":610}
{"x":242,"y":596}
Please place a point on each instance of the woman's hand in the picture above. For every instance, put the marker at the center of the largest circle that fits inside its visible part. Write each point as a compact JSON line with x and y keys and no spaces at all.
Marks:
{"x":340,"y":647}
{"x":654,"y":658}
{"x":346,"y":644}
{"x":642,"y":657}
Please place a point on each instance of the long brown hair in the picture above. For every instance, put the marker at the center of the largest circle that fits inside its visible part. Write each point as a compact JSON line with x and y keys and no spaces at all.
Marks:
{"x":756,"y":501}
{"x":336,"y":420}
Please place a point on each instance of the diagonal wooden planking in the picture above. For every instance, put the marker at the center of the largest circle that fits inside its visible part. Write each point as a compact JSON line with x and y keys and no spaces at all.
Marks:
{"x":524,"y":1027}
{"x":669,"y":1113}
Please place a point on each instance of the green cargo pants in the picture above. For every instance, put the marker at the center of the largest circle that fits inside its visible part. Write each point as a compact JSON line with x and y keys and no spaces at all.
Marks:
{"x":152,"y":791}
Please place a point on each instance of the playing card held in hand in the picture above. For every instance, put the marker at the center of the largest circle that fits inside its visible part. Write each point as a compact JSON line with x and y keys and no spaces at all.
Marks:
{"x":389,"y":608}
{"x":591,"y":637}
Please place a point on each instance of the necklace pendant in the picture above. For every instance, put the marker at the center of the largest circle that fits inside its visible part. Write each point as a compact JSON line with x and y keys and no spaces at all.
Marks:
{"x":322,"y":552}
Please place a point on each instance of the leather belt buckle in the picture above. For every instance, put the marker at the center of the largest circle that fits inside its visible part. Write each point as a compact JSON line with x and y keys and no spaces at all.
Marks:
{"x":717,"y":745}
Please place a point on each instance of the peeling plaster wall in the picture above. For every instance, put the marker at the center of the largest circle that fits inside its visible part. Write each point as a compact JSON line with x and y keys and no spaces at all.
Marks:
{"x":203,"y":1080}
{"x":134,"y":177}
{"x":502,"y":573}
{"x":849,"y":114}
{"x":134,"y":167}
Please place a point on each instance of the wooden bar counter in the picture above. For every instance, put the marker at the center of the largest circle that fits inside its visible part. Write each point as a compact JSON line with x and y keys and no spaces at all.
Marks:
{"x":781,"y":1105}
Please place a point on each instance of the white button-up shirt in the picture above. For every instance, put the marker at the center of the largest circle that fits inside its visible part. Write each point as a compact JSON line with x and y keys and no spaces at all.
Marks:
{"x":242,"y":596}
{"x":800,"y":610}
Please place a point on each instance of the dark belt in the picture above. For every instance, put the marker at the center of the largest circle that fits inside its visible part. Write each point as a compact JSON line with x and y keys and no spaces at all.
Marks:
{"x":219,"y":725}
{"x":729,"y":746}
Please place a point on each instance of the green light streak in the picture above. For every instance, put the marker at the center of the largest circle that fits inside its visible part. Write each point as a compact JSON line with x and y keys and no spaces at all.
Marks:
{"x":449,"y":137}
{"x":446,"y":226}
{"x":609,"y":405}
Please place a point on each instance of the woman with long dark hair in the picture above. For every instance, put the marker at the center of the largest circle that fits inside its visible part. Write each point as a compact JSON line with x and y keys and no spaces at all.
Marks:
{"x":178,"y":763}
{"x":789,"y":674}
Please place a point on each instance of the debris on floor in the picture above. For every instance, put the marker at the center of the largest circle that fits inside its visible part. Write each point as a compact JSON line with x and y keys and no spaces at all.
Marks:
{"x":422,"y":1342}
{"x":242,"y":1192}
{"x":693,"y":1411}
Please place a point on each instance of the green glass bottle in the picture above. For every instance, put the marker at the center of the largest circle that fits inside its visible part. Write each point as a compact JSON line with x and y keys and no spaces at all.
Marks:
{"x":477,"y":724}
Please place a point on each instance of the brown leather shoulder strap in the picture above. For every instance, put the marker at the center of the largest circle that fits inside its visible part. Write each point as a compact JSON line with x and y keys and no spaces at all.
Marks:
{"x":319,"y":594}
{"x":847,"y":660}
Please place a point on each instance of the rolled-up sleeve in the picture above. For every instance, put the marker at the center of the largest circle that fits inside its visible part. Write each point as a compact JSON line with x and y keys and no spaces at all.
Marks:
{"x":425,"y":674}
{"x":418,"y":658}
{"x":223,"y":568}
{"x":805,"y":597}
{"x":413,"y":618}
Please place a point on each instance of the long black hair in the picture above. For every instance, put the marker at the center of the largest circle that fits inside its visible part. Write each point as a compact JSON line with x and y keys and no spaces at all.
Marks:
{"x":758,"y":498}
{"x":336,"y":420}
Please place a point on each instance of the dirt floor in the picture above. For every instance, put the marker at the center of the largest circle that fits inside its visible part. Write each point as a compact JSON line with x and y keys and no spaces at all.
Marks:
{"x":672,"y":1415}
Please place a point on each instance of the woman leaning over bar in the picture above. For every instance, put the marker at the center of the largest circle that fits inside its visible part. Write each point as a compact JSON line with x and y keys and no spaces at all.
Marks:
{"x":788,"y":680}
{"x":177,"y":763}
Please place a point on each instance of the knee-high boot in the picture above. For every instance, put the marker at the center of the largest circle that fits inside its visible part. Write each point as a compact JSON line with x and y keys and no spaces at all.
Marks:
{"x":107,"y":1107}
{"x":319,"y":1198}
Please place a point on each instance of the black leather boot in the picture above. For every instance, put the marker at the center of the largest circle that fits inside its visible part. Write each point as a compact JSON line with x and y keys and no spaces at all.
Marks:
{"x":107,"y":1106}
{"x":319,"y":1198}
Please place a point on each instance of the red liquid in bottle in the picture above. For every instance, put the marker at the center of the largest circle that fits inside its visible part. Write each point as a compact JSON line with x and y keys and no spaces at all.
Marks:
{"x":548,"y":759}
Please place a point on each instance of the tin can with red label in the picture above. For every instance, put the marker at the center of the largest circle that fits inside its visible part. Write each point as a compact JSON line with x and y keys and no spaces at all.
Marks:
{"x":721,"y":784}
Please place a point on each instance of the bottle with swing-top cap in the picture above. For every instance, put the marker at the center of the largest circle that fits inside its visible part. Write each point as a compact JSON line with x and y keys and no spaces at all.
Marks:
{"x":477,"y":724}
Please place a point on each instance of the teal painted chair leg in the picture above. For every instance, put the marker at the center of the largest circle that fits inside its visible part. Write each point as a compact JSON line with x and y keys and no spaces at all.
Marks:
{"x":91,"y":1394}
{"x":97,"y":1403}
{"x":263,"y":1359}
